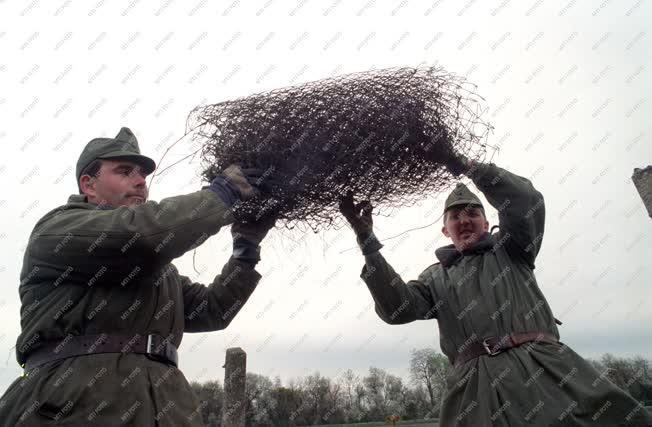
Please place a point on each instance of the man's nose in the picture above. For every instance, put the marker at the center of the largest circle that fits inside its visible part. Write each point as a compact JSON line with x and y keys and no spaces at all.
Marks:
{"x":139,"y":178}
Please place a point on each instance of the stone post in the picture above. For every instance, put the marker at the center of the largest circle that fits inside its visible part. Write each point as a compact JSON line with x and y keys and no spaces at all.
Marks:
{"x":643,"y":181}
{"x":234,"y":407}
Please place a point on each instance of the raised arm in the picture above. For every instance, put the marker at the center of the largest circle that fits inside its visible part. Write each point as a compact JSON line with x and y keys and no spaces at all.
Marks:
{"x":212,"y":307}
{"x":396,"y":302}
{"x":521,"y":208}
{"x":148,"y":235}
{"x":108,"y":244}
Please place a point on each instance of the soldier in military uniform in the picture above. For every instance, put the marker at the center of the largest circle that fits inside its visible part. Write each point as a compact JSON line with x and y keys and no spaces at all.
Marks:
{"x":104,"y":309}
{"x":495,"y":325}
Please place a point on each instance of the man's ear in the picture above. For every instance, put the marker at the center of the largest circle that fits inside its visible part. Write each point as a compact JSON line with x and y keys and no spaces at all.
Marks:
{"x":444,"y":230}
{"x":486,"y":225}
{"x":87,"y":185}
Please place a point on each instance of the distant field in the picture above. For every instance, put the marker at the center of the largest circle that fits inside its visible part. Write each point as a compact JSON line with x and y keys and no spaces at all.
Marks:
{"x":406,"y":423}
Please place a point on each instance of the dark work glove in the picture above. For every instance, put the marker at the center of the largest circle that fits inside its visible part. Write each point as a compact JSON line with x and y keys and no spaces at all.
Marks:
{"x":247,"y":238}
{"x":235,"y":183}
{"x":457,"y":164}
{"x":359,"y":216}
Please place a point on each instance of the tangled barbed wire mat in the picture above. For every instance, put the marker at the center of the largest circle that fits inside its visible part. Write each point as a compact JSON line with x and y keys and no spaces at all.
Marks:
{"x":382,"y":135}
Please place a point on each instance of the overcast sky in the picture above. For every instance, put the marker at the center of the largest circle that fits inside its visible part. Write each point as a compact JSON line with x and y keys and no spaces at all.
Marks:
{"x":567,"y":86}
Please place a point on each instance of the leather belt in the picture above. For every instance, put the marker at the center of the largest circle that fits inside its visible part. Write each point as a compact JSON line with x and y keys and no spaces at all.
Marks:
{"x":153,"y":346}
{"x":495,"y":345}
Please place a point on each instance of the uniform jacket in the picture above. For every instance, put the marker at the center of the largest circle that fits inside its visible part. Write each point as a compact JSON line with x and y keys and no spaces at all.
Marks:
{"x":489,"y":290}
{"x":90,"y":270}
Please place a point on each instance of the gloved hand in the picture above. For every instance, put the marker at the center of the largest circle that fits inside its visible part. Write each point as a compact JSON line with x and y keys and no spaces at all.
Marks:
{"x":359,"y":216}
{"x":458,"y":164}
{"x":247,"y":238}
{"x":235,"y":184}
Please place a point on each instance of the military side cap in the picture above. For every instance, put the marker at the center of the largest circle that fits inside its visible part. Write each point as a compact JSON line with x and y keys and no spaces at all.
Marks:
{"x":123,"y":146}
{"x":461,"y":196}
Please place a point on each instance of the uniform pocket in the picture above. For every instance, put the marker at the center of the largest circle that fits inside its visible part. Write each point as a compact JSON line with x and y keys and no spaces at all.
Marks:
{"x":59,"y":395}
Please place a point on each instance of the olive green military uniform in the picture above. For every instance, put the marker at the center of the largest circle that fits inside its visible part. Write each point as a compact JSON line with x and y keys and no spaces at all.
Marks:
{"x":489,"y":290}
{"x":92,"y":270}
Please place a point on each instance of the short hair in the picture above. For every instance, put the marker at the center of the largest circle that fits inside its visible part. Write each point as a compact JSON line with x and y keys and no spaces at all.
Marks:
{"x":93,"y":169}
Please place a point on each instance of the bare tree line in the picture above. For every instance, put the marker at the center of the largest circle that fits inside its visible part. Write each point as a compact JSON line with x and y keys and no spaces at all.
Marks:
{"x":352,"y":398}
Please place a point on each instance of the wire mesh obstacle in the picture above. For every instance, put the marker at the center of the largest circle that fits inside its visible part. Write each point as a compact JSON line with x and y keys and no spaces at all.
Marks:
{"x":381,"y":135}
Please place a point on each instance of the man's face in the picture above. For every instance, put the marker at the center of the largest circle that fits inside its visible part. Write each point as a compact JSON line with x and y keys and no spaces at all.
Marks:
{"x":119,"y":183}
{"x":464,"y":225}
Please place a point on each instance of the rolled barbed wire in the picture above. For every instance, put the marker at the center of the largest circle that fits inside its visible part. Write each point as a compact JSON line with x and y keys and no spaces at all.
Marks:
{"x":382,"y":135}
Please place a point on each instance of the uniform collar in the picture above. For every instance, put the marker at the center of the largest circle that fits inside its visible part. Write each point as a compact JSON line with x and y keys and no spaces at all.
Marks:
{"x":449,"y":255}
{"x":77,"y":198}
{"x":81,"y":198}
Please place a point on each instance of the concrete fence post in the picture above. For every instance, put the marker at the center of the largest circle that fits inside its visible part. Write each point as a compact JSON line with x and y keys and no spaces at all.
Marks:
{"x":643,"y":181}
{"x":234,"y":407}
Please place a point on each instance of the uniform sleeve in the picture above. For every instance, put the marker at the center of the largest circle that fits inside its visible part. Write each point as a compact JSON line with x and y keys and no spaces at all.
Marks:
{"x":521,"y":209}
{"x":125,"y":239}
{"x":398,"y":302}
{"x":212,"y":307}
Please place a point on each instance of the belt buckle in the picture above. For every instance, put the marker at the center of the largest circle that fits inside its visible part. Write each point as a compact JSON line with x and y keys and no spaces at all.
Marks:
{"x":164,"y":351}
{"x":491,"y":351}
